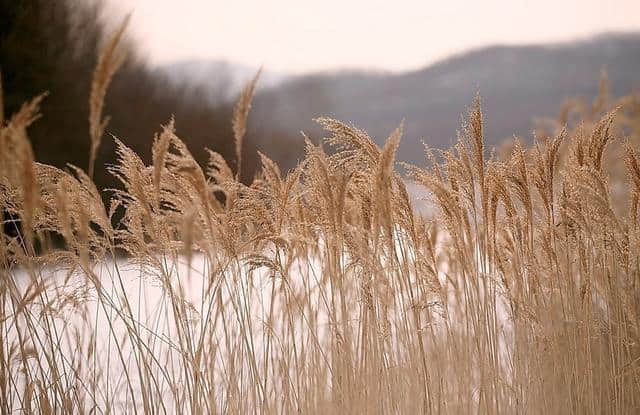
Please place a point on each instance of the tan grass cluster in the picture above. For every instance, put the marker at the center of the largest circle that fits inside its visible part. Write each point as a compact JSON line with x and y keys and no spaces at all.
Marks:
{"x":322,"y":290}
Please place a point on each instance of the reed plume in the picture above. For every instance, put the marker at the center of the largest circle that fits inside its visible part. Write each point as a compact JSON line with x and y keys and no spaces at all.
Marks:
{"x":109,"y":61}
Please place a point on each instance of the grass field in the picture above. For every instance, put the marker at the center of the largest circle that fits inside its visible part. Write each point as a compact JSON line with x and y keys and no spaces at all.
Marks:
{"x":323,"y":290}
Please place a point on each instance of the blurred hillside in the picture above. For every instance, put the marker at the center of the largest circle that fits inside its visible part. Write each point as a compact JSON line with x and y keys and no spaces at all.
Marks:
{"x":221,"y":79}
{"x":516,"y":83}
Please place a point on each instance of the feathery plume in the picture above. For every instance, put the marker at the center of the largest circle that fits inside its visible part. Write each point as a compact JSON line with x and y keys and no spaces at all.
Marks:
{"x":159,"y":151}
{"x":110,"y":60}
{"x":240,"y":115}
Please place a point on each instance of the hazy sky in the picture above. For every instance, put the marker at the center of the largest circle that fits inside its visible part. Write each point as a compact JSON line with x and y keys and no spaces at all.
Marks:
{"x":297,"y":36}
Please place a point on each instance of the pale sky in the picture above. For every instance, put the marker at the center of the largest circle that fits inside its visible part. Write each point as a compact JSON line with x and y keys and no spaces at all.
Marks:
{"x":297,"y":36}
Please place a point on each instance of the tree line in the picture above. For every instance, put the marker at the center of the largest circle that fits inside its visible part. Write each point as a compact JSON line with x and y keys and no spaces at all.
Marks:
{"x":53,"y":46}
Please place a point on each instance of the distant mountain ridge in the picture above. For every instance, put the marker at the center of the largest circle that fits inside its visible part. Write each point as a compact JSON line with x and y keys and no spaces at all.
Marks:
{"x":516,"y":83}
{"x":222,"y":79}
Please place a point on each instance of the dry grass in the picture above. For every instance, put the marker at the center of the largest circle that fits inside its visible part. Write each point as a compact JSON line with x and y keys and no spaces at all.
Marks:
{"x":321,"y":290}
{"x":111,"y":58}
